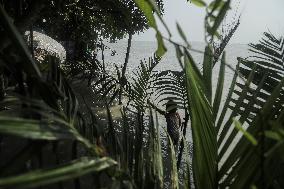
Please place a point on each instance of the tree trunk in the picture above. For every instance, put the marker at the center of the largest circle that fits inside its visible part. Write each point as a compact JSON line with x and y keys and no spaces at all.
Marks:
{"x":124,"y":67}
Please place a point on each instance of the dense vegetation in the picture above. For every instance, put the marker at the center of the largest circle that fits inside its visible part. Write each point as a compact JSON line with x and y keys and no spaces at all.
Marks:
{"x":52,"y":136}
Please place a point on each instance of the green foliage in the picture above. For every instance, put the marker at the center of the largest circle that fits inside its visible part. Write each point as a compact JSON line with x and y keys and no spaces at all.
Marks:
{"x":34,"y":129}
{"x":205,"y":148}
{"x":148,"y":6}
{"x":219,"y":88}
{"x":174,"y":171}
{"x":238,"y":126}
{"x":168,"y":85}
{"x":218,"y":18}
{"x":84,"y":20}
{"x":182,"y":34}
{"x":255,"y":101}
{"x":40,"y":108}
{"x":198,"y":3}
{"x":207,"y":72}
{"x":142,"y":82}
{"x":155,"y":171}
{"x":270,"y":90}
{"x":71,"y":170}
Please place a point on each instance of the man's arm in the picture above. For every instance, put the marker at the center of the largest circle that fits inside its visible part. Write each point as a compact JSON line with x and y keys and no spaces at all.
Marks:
{"x":156,"y":108}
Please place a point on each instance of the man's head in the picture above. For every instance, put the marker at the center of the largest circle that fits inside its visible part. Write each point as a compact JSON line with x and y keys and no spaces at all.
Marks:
{"x":171,"y":106}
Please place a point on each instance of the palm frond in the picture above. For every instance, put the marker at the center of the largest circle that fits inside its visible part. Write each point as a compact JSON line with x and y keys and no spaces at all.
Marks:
{"x":244,"y":160}
{"x":154,"y":167}
{"x":138,"y":91}
{"x":71,"y":170}
{"x":168,"y":85}
{"x":174,"y":171}
{"x":203,"y":131}
{"x":254,"y":102}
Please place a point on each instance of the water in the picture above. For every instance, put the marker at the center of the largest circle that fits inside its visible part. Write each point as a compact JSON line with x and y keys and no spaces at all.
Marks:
{"x":142,"y":50}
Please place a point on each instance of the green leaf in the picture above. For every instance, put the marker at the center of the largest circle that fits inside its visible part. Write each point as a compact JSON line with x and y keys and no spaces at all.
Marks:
{"x":161,"y":46}
{"x":181,"y":33}
{"x":253,"y":187}
{"x":241,"y":167}
{"x":34,"y":129}
{"x":216,"y":5}
{"x":154,"y":165}
{"x":154,"y":6}
{"x":246,"y":134}
{"x":244,"y":153}
{"x":238,"y":105}
{"x":228,"y":99}
{"x":179,"y":55}
{"x":71,"y":170}
{"x":198,"y":3}
{"x":203,"y":131}
{"x":219,"y":88}
{"x":158,"y":154}
{"x":43,"y":130}
{"x":273,"y":135}
{"x":207,"y":72}
{"x":157,"y":10}
{"x":147,"y":7}
{"x":219,"y":18}
{"x":174,"y":171}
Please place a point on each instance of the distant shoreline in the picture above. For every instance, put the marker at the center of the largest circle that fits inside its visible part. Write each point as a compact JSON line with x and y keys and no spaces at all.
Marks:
{"x":196,"y":42}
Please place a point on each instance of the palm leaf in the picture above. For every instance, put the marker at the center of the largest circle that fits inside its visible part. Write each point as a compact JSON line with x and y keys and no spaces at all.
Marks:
{"x":168,"y":85}
{"x":203,"y":131}
{"x":71,"y":170}
{"x":248,"y":166}
{"x":207,"y":71}
{"x":148,"y":7}
{"x":255,"y":102}
{"x":219,"y":88}
{"x":139,"y":87}
{"x":174,"y":171}
{"x":154,"y":166}
{"x":34,"y":129}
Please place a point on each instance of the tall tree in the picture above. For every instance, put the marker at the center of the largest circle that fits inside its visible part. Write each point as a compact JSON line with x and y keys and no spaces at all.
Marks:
{"x":80,"y":21}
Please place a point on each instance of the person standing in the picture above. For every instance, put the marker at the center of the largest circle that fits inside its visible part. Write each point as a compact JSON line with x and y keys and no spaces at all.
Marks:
{"x":172,"y":118}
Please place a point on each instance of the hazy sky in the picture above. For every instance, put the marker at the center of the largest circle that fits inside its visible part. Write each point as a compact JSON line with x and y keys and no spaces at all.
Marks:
{"x":257,"y":16}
